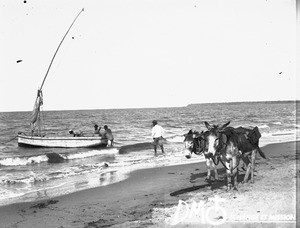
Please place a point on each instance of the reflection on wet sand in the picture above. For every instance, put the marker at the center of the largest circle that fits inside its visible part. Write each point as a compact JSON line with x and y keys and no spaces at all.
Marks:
{"x":108,"y":178}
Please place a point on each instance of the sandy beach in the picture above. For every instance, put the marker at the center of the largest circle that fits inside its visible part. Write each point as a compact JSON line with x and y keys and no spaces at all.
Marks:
{"x":150,"y":198}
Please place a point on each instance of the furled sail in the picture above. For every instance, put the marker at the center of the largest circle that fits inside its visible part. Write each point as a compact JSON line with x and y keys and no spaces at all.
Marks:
{"x":35,"y":116}
{"x":35,"y":119}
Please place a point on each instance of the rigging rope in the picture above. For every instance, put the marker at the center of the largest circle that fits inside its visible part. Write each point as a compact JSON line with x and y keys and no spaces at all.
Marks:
{"x":9,"y":140}
{"x":58,"y":48}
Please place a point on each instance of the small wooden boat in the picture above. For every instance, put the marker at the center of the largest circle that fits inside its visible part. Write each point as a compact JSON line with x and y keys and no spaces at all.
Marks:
{"x":36,"y":138}
{"x":62,"y":142}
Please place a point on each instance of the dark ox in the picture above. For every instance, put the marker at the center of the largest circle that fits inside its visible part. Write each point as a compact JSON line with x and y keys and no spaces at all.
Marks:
{"x":194,"y":142}
{"x":230,"y":145}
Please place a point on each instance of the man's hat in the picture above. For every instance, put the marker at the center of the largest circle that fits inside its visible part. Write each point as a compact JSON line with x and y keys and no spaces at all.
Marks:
{"x":154,"y":122}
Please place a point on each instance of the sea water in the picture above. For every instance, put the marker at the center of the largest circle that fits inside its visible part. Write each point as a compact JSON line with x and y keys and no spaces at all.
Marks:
{"x":27,"y":174}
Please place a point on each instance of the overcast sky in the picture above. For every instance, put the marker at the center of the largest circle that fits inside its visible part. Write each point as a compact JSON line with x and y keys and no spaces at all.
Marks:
{"x":146,"y":53}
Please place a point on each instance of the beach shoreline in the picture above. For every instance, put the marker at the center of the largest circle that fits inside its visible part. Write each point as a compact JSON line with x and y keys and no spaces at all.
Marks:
{"x":149,"y":197}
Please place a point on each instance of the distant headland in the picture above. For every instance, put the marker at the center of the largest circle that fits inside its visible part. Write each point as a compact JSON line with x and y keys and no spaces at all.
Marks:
{"x":245,"y":102}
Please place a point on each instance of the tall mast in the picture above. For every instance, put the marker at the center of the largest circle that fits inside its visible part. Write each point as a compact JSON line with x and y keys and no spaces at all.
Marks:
{"x":35,"y":117}
{"x":59,"y":47}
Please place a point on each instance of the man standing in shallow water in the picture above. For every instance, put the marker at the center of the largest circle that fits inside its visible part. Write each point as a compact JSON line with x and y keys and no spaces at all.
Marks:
{"x":157,"y":135}
{"x":108,"y":134}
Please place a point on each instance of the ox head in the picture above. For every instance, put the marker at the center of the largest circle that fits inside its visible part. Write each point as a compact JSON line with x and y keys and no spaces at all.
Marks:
{"x":215,"y":140}
{"x":193,"y":143}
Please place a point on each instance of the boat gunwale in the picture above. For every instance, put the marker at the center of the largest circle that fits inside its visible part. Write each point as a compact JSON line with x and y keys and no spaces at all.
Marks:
{"x":84,"y":142}
{"x":80,"y":138}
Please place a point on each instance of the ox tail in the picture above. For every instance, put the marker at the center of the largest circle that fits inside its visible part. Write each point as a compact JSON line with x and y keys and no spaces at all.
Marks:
{"x":261,"y":153}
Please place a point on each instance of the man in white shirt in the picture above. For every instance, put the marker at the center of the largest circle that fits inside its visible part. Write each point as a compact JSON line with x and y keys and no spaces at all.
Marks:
{"x":157,"y":135}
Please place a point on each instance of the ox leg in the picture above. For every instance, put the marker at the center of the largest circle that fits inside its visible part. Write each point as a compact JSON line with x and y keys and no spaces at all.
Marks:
{"x":215,"y":169}
{"x":208,"y":169}
{"x":235,"y":172}
{"x":253,"y":156}
{"x":248,"y":165}
{"x":228,"y":174}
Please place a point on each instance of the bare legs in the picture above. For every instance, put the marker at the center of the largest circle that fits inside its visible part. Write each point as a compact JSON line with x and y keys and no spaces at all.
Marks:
{"x":155,"y":149}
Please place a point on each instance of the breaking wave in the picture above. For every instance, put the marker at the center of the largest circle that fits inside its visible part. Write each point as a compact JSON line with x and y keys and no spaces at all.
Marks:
{"x":31,"y":179}
{"x":53,"y":157}
{"x":263,"y":126}
{"x":15,"y":161}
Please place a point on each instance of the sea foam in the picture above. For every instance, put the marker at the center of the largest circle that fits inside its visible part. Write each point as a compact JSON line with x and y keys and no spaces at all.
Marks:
{"x":53,"y":157}
{"x":17,"y":161}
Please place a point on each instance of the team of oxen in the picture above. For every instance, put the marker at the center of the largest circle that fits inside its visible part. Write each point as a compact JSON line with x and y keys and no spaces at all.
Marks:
{"x":227,"y":145}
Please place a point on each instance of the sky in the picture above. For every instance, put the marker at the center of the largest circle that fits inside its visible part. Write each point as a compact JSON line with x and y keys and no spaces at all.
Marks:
{"x":146,"y":53}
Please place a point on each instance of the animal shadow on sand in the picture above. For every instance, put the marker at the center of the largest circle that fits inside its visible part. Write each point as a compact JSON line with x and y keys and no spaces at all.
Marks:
{"x":211,"y":184}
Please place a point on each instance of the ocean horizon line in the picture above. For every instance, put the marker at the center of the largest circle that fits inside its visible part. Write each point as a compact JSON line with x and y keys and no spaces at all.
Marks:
{"x":163,"y":107}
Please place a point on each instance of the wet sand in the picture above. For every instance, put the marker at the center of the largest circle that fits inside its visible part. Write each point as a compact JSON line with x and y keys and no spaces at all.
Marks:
{"x":150,"y":197}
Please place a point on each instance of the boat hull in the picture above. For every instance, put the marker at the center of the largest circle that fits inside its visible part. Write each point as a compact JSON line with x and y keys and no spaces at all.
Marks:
{"x":61,"y":142}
